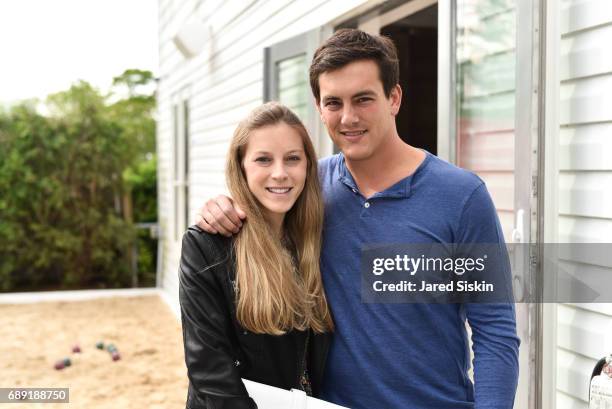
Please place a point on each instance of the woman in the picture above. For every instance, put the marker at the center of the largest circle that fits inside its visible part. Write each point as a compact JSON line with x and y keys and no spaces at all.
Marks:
{"x":253,"y":306}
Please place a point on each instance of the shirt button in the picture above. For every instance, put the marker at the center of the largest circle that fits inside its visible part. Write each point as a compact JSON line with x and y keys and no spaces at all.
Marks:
{"x":354,"y":190}
{"x":237,"y":362}
{"x":366,"y":205}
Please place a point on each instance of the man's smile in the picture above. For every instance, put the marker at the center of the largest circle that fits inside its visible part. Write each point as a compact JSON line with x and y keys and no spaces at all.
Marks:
{"x":353,"y":136}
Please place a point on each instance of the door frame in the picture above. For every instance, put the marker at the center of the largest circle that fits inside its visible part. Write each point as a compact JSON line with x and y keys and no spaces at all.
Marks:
{"x":548,"y":206}
{"x":535,"y":130}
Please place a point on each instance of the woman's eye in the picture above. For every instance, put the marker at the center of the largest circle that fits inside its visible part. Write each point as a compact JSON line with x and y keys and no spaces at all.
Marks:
{"x":293,"y":158}
{"x":262,"y":159}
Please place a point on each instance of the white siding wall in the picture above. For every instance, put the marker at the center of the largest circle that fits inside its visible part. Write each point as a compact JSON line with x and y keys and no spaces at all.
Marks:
{"x":584,"y":331}
{"x":224,"y":82}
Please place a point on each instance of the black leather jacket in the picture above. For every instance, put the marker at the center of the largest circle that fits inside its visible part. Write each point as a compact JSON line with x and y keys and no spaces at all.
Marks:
{"x":218,"y":351}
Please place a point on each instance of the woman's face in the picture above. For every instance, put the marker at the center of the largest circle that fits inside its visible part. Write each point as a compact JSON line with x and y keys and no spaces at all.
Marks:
{"x":275,"y":167}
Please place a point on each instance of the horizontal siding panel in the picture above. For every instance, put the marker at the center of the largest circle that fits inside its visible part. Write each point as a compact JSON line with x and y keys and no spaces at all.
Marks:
{"x":219,"y":135}
{"x":586,"y":194}
{"x":584,"y":230}
{"x":581,"y":15}
{"x":330,"y":9}
{"x":164,"y":7}
{"x":176,"y":11}
{"x":207,"y":186}
{"x":208,"y":171}
{"x":584,"y":332}
{"x":265,"y":22}
{"x":226,"y":34}
{"x":217,"y":149}
{"x":207,"y":74}
{"x":224,"y":119}
{"x":586,"y":100}
{"x":586,"y":53}
{"x":206,"y":181}
{"x":600,"y":308}
{"x":208,"y":107}
{"x":586,"y":147}
{"x":565,"y":401}
{"x":590,"y":276}
{"x":487,"y":151}
{"x":573,"y":374}
{"x":233,"y":80}
{"x":216,"y":164}
{"x":234,"y":12}
{"x":595,"y":254}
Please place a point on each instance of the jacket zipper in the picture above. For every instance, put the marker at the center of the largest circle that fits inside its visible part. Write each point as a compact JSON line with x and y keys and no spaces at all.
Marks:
{"x":303,"y":377}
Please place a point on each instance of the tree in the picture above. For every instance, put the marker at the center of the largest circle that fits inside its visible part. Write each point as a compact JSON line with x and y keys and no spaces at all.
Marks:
{"x":135,"y":115}
{"x":62,"y":180}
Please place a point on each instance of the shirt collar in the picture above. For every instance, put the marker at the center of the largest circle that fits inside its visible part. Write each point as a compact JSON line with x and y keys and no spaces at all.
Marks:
{"x":402,"y":189}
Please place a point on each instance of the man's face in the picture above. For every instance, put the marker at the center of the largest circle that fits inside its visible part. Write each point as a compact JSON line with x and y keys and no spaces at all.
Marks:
{"x":353,"y":107}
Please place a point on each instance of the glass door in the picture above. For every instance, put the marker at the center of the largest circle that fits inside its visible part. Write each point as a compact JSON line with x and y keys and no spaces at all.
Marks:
{"x":496,"y":128}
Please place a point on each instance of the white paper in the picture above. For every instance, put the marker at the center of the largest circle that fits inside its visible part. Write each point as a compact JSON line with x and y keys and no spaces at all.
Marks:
{"x":601,"y":393}
{"x":270,"y":397}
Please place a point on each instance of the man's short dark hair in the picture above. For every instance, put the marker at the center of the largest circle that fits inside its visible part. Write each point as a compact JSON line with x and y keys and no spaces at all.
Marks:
{"x":348,"y":45}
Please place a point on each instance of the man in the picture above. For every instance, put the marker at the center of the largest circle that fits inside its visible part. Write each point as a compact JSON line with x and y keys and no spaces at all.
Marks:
{"x":381,"y":190}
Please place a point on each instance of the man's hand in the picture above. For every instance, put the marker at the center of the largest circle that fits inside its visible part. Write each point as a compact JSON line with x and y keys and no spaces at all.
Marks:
{"x":220,"y":215}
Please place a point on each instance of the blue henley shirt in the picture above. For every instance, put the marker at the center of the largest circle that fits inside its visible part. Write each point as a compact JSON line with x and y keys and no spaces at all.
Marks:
{"x":412,"y":355}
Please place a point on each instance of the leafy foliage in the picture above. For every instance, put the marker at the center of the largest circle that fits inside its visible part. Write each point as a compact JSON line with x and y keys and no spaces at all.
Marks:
{"x":72,"y":183}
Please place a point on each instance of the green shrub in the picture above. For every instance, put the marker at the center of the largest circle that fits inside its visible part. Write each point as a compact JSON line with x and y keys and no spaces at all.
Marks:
{"x":67,"y":182}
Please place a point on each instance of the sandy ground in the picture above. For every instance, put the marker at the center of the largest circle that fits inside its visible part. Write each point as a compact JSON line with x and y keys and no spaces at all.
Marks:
{"x":151,"y":373}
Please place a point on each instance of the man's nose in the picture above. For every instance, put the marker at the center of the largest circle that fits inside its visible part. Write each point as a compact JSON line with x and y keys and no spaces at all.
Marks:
{"x":349,"y":116}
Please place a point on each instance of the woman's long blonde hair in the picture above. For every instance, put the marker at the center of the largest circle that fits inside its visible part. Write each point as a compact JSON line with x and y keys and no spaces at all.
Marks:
{"x":275,"y":291}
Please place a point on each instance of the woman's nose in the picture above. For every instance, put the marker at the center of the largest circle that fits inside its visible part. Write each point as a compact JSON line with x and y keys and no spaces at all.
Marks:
{"x":279,"y":171}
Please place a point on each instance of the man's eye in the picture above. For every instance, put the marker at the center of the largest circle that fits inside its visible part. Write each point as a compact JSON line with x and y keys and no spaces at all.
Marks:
{"x":332,"y":103}
{"x":364,"y":99}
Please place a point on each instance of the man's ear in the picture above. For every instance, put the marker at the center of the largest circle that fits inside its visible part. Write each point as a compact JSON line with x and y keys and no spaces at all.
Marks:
{"x":395,"y":98}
